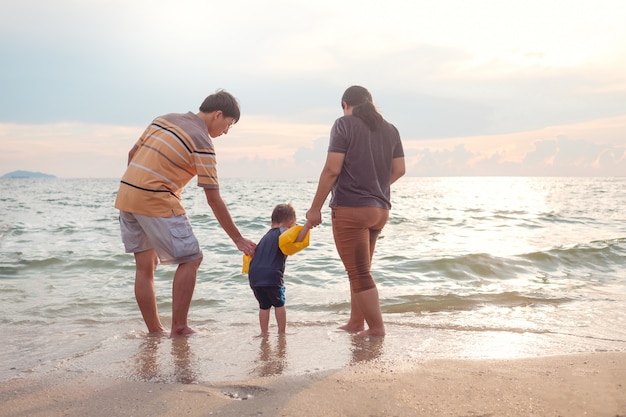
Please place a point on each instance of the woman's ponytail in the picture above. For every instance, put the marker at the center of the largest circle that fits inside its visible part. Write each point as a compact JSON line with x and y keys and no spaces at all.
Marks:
{"x":364,"y":108}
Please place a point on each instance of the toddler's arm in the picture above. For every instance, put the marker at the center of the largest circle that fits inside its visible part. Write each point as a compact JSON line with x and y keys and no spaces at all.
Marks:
{"x":305,"y":229}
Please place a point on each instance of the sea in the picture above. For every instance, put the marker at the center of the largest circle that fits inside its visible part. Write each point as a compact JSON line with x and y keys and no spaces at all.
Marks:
{"x":467,"y":267}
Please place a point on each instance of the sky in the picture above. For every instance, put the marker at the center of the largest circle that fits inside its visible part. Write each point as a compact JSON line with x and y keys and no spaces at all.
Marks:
{"x":475,"y":87}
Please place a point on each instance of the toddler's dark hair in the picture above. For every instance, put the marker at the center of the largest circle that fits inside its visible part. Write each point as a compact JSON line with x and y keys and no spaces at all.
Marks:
{"x":283,"y":213}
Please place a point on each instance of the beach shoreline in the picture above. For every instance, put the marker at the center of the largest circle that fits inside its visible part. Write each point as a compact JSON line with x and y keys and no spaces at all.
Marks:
{"x":481,"y":293}
{"x":592,"y":384}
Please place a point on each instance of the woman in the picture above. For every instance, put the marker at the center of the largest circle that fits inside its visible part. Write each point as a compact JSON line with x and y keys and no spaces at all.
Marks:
{"x":365,"y":156}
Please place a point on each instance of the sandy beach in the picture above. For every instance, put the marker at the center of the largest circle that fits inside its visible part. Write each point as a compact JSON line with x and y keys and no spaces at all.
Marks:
{"x":569,"y":385}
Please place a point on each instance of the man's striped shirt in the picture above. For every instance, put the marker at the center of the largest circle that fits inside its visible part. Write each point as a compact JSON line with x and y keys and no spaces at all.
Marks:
{"x":171,"y":151}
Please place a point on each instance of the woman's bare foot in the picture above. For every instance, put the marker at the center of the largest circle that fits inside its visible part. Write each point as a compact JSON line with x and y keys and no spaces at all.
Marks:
{"x":352,"y":328}
{"x":162,"y":332}
{"x":182,"y":332}
{"x":371,"y":333}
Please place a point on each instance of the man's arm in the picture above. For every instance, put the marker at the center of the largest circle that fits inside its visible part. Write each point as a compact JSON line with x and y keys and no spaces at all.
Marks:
{"x":132,"y":153}
{"x":214,"y":199}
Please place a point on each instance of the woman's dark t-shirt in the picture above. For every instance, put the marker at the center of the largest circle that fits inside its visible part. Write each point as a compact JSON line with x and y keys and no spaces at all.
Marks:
{"x":365,"y":178}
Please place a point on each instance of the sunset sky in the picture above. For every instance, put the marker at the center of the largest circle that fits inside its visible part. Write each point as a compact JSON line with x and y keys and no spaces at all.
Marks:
{"x":481,"y":87}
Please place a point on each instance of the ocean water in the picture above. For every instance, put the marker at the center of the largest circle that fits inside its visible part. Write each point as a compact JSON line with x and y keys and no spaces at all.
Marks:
{"x":466,"y":268}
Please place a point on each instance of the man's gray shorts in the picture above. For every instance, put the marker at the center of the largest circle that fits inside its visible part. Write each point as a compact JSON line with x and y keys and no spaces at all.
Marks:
{"x":171,"y":237}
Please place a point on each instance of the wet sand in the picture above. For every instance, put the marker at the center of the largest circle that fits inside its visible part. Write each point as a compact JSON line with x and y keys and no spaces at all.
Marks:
{"x":569,"y":385}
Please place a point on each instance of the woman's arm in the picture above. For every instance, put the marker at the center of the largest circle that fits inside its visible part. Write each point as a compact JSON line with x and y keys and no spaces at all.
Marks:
{"x":398,"y":169}
{"x":330,"y":172}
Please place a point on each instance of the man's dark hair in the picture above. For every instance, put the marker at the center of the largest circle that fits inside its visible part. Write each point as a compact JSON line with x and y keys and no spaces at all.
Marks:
{"x":224,"y":101}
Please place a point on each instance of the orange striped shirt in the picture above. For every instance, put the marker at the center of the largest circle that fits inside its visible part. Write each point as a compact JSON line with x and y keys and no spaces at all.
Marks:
{"x":171,"y":151}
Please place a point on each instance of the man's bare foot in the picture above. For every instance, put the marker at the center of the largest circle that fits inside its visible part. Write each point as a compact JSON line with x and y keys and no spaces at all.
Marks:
{"x":371,"y":333}
{"x":352,"y":328}
{"x":182,"y":332}
{"x":158,"y":333}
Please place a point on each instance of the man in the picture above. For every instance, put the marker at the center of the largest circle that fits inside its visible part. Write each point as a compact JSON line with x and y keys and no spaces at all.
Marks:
{"x":154,"y":225}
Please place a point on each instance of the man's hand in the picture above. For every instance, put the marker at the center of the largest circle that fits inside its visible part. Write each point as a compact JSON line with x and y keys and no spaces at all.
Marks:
{"x":246,"y":246}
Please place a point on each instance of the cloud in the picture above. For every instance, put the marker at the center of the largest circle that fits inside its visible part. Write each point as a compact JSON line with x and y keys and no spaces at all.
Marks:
{"x":452,"y":76}
{"x":267,"y":148}
{"x":67,"y":149}
{"x":567,"y":157}
{"x":305,"y":162}
{"x":559,"y":156}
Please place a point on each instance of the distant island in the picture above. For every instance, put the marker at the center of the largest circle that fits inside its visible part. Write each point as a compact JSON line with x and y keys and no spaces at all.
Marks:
{"x":27,"y":174}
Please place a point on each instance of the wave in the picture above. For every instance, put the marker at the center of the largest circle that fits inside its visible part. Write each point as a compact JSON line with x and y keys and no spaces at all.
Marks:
{"x":437,"y":303}
{"x":595,"y":258}
{"x":600,"y":255}
{"x":69,"y":262}
{"x":456,"y":302}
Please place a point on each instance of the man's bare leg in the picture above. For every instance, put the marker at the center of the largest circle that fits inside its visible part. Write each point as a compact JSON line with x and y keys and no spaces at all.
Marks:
{"x":182,"y":292}
{"x":145,"y":294}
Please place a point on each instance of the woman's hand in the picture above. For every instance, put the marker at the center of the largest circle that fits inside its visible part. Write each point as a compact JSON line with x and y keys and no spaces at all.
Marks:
{"x":314,"y":217}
